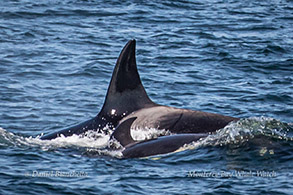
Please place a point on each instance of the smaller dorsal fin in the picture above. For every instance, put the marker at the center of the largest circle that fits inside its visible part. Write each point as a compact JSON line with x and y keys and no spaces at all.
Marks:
{"x":122,"y":132}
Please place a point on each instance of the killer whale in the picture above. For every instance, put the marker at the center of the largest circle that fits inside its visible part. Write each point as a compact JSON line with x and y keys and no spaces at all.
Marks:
{"x":125,"y":95}
{"x":126,"y":98}
{"x":161,"y":145}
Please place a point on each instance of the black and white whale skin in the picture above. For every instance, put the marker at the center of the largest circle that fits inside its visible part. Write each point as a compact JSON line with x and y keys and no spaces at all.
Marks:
{"x":127,"y":98}
{"x":160,"y":145}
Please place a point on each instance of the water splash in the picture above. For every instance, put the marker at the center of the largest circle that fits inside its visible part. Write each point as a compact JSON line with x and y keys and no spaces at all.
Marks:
{"x":245,"y":130}
{"x":90,"y":140}
{"x":7,"y":138}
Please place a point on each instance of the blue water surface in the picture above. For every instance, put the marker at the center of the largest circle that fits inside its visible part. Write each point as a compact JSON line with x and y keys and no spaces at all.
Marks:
{"x":223,"y":56}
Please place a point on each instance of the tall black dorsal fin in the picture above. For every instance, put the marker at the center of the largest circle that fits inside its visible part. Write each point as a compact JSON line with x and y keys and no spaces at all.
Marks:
{"x":122,"y":132}
{"x":126,"y":92}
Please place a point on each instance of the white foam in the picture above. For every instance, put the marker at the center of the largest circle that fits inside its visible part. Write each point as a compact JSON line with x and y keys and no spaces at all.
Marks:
{"x":246,"y":129}
{"x":100,"y":141}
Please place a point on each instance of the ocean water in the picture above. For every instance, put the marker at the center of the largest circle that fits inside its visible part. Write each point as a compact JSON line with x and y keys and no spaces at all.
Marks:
{"x":223,"y":56}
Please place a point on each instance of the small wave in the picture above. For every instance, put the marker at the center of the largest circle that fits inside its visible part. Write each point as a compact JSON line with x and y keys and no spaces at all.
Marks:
{"x":7,"y":138}
{"x":245,"y":130}
{"x":90,"y":140}
{"x":92,"y":152}
{"x":74,"y":141}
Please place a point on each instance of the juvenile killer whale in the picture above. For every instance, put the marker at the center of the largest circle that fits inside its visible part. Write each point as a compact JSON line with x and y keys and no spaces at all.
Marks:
{"x":126,"y":98}
{"x":161,"y":145}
